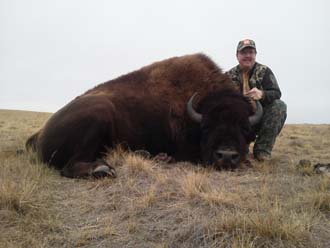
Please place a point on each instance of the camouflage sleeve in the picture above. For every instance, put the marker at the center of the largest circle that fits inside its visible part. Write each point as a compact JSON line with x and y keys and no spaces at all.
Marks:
{"x":270,"y":87}
{"x":234,"y":76}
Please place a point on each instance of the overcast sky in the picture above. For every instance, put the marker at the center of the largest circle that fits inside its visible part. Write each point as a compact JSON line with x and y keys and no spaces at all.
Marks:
{"x":52,"y":51}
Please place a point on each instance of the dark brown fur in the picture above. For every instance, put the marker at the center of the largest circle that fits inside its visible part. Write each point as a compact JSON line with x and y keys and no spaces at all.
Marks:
{"x":145,"y":109}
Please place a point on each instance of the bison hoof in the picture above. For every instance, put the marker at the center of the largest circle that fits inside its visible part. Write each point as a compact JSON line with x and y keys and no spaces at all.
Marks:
{"x":104,"y":171}
{"x":163,"y":157}
{"x":143,"y":153}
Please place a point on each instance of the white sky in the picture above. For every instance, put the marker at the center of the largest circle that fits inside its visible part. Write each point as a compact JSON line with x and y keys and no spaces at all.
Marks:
{"x":54,"y":50}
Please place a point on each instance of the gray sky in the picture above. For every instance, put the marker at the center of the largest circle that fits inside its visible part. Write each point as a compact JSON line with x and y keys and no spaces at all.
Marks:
{"x":52,"y":51}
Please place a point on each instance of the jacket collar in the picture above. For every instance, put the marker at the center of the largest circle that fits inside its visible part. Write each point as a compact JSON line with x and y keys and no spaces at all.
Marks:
{"x":238,"y":69}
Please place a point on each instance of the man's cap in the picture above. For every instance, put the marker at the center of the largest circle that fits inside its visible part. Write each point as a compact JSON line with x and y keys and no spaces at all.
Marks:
{"x":246,"y":43}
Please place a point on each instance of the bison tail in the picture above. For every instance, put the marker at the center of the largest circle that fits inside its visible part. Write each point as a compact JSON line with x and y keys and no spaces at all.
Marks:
{"x":31,"y":143}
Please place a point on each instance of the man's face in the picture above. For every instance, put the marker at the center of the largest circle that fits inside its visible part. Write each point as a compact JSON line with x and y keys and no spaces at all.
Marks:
{"x":246,"y":58}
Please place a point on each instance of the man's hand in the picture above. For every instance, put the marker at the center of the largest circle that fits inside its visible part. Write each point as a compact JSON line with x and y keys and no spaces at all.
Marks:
{"x":255,"y":94}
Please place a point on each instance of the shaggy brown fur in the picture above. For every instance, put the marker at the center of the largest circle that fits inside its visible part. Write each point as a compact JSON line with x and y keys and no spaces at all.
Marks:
{"x":145,"y":109}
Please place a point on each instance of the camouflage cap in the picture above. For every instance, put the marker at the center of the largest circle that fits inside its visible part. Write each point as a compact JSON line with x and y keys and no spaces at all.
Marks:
{"x":246,"y":43}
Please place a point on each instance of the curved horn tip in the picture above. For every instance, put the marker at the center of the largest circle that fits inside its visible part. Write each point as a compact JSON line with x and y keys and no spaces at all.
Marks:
{"x":255,"y":119}
{"x":191,"y":112}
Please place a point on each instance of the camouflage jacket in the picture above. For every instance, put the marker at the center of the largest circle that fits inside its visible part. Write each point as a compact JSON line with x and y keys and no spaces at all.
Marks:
{"x":260,"y":77}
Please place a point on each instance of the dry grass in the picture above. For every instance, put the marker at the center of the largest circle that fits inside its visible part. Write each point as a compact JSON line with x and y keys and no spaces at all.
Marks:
{"x":136,"y":165}
{"x":197,"y":186}
{"x":273,"y":204}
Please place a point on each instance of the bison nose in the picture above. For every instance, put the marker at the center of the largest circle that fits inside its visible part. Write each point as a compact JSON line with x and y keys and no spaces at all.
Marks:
{"x":226,"y":156}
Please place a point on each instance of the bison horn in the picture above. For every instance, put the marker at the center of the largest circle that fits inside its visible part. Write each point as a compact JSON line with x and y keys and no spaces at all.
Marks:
{"x":254,"y":119}
{"x":191,"y":112}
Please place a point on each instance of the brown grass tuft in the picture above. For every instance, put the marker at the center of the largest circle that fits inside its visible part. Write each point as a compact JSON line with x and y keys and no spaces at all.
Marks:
{"x":136,"y":165}
{"x":254,"y":227}
{"x":116,"y":156}
{"x":92,"y":233}
{"x":316,"y":197}
{"x":195,"y":185}
{"x":320,"y":200}
{"x":147,"y":199}
{"x":18,"y":187}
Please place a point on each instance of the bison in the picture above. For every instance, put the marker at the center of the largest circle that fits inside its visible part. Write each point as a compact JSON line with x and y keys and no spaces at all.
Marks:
{"x":152,"y":109}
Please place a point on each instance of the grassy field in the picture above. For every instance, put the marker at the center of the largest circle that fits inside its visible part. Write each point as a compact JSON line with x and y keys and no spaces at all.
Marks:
{"x":151,"y":204}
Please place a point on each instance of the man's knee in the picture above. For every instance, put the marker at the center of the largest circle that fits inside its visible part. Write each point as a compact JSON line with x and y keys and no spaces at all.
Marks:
{"x":276,"y":110}
{"x":278,"y":105}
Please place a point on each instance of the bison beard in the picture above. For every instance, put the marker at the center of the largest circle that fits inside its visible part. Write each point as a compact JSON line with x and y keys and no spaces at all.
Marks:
{"x":146,"y":109}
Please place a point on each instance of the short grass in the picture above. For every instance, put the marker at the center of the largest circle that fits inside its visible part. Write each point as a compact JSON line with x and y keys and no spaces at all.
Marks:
{"x":152,"y":204}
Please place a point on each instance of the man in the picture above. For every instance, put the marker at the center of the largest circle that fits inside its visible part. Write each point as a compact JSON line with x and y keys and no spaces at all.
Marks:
{"x":258,"y":82}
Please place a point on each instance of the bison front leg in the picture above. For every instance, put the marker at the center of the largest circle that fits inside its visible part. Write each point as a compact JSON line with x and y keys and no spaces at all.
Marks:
{"x":97,"y":169}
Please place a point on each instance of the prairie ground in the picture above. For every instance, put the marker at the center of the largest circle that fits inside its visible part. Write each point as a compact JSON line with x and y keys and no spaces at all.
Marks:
{"x":150,"y":204}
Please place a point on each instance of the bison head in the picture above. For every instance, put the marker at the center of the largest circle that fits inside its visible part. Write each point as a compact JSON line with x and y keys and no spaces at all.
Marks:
{"x":226,"y":119}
